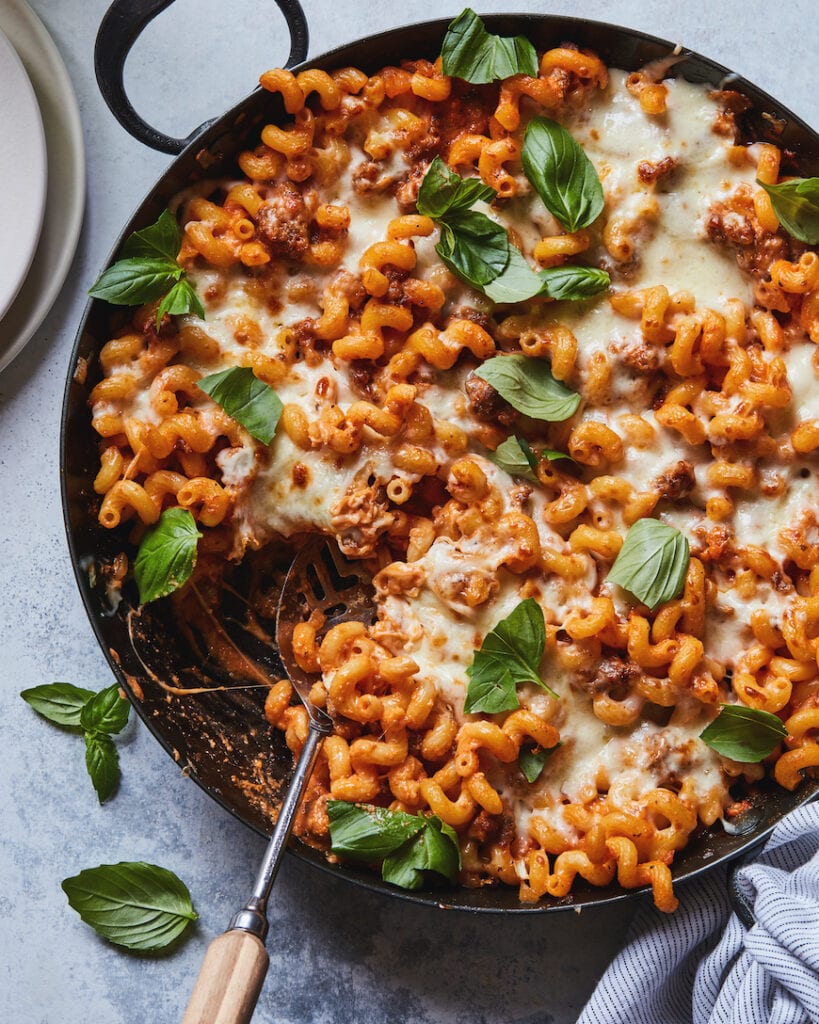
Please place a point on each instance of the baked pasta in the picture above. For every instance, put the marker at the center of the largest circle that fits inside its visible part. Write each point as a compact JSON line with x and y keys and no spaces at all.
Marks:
{"x":570,"y":424}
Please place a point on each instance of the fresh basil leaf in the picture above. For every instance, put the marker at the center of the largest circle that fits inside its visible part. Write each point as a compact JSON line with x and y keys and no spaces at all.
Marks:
{"x":562,"y":174}
{"x":517,"y":283}
{"x":652,"y":563}
{"x":132,"y":282}
{"x":133,"y":904}
{"x":369,"y":833}
{"x":432,"y":849}
{"x":492,"y":688}
{"x":471,"y":52}
{"x":520,"y":282}
{"x":102,"y":762}
{"x":528,"y":386}
{"x":442,"y":191}
{"x":58,"y":702}
{"x":474,"y":247}
{"x":744,"y":734}
{"x":161,"y":239}
{"x":532,"y":760}
{"x":246,"y":399}
{"x":573,"y":283}
{"x":553,"y":456}
{"x":516,"y":458}
{"x":182,"y":298}
{"x":509,"y":655}
{"x":106,"y":711}
{"x":167,"y":555}
{"x":796,"y":205}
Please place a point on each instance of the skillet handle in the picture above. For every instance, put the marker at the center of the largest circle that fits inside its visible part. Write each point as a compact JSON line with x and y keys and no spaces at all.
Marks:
{"x":119,"y":30}
{"x":230,"y":981}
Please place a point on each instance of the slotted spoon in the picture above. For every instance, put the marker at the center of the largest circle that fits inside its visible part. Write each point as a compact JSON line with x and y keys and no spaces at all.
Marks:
{"x":233,"y":971}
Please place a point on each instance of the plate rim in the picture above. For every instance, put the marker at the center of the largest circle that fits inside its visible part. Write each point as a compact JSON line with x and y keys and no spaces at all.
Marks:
{"x":48,"y":74}
{"x":36,"y":172}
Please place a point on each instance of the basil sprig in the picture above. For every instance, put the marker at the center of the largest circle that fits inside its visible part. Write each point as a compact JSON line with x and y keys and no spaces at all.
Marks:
{"x":246,"y":399}
{"x":444,"y":192}
{"x":652,"y":563}
{"x":133,"y":904}
{"x":472,"y":245}
{"x":520,"y":282}
{"x":149,"y":270}
{"x":167,"y":555}
{"x":60,"y":703}
{"x":478,"y":250}
{"x":796,"y":205}
{"x":509,"y":655}
{"x":528,"y":386}
{"x":515,"y":457}
{"x":562,"y":174}
{"x":744,"y":734}
{"x":471,"y":52}
{"x":97,"y":715}
{"x":409,"y":845}
{"x":532,"y":760}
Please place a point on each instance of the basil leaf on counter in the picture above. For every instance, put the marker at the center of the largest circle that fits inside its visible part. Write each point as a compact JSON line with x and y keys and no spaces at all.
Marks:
{"x":370,"y":833}
{"x":97,"y":714}
{"x":102,"y":762}
{"x":652,"y":563}
{"x":528,"y":386}
{"x":133,"y":904}
{"x":474,"y":247}
{"x":60,"y":703}
{"x":471,"y":52}
{"x":435,"y":848}
{"x":562,"y":174}
{"x":796,"y":204}
{"x":167,"y":555}
{"x":509,"y":655}
{"x":132,"y":282}
{"x":573,"y":283}
{"x":408,"y":844}
{"x":182,"y":298}
{"x":442,"y":191}
{"x":161,"y":240}
{"x":106,"y":711}
{"x":744,"y":734}
{"x":246,"y":399}
{"x":532,"y":760}
{"x":515,"y":457}
{"x":149,"y":270}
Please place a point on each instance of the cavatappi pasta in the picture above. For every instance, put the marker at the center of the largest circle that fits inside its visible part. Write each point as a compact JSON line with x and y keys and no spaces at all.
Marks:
{"x":698,"y":374}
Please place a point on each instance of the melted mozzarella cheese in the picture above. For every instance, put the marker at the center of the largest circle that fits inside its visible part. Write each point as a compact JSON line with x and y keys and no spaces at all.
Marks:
{"x":283,"y":489}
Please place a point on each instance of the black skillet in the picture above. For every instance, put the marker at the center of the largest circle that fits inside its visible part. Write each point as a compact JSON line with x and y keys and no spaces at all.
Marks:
{"x":220,"y":738}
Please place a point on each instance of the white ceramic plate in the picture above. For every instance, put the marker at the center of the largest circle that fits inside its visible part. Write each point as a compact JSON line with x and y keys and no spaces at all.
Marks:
{"x":65,"y":197}
{"x":22,"y":171}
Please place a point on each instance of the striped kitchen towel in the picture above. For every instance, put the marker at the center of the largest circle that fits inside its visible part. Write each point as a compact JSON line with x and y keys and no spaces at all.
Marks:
{"x":701,"y":965}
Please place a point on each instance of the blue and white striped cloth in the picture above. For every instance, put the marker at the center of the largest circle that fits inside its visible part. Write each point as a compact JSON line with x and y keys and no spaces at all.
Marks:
{"x":701,"y":965}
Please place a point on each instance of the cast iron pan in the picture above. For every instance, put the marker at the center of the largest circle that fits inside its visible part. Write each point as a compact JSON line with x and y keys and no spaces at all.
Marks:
{"x":221,"y":739}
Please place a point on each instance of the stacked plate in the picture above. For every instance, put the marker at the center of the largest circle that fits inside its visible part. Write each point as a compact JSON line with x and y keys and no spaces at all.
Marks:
{"x":42,"y":168}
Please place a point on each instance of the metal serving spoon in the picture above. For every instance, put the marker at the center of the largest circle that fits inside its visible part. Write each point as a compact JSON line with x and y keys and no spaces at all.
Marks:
{"x":236,"y":962}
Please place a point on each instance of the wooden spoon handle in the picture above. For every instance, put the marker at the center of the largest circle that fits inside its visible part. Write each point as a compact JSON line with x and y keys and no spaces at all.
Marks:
{"x":229,"y":981}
